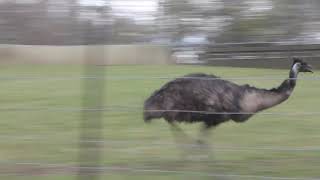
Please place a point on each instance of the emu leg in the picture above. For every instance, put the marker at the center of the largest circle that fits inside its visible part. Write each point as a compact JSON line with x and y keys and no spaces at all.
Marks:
{"x":203,"y":143}
{"x":177,"y":131}
{"x":181,"y":140}
{"x":204,"y":135}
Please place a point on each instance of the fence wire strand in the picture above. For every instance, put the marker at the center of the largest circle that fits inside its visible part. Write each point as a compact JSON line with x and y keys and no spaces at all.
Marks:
{"x":312,"y":78}
{"x":132,"y":109}
{"x":114,"y":169}
{"x":119,"y":145}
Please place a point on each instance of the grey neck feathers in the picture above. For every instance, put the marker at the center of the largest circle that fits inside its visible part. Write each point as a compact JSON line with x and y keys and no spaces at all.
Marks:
{"x":259,"y":99}
{"x":289,"y":84}
{"x":283,"y":92}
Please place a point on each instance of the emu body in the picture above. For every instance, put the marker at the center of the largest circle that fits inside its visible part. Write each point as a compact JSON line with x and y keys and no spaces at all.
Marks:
{"x":208,"y":99}
{"x":212,"y":100}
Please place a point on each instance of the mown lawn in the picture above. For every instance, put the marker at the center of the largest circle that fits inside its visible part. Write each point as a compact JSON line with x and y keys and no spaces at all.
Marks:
{"x":39,"y":127}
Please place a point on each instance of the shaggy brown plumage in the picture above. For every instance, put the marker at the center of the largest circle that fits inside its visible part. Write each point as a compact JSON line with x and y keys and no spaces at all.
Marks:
{"x":212,"y":100}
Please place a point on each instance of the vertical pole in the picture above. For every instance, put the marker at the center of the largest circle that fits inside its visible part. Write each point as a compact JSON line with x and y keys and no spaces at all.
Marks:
{"x":91,"y":146}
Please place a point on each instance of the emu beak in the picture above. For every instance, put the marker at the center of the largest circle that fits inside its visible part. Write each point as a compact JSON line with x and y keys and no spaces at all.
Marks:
{"x":309,"y":68}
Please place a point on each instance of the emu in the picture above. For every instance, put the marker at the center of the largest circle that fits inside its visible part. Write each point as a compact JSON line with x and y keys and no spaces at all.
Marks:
{"x":212,"y":100}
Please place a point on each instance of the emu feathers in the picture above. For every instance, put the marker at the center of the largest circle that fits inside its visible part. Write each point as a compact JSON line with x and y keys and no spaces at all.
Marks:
{"x":212,"y":100}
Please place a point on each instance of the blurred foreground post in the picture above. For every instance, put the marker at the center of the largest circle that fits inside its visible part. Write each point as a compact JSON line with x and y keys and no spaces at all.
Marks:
{"x":91,"y":145}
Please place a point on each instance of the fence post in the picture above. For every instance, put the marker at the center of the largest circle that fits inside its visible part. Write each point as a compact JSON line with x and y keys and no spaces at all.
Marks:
{"x":91,"y":127}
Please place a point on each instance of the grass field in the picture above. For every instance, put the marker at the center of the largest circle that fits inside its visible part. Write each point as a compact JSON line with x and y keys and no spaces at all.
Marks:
{"x":39,"y":128}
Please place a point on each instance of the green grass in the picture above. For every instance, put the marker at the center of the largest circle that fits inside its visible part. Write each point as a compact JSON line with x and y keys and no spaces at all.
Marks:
{"x":260,"y":147}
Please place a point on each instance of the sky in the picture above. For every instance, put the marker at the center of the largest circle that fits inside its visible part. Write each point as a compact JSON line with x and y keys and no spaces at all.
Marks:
{"x":139,"y":10}
{"x":128,"y":6}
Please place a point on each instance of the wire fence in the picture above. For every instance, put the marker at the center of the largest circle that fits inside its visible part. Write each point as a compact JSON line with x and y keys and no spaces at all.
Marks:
{"x":97,"y":139}
{"x":137,"y":148}
{"x":116,"y":78}
{"x":92,"y":147}
{"x":65,"y":168}
{"x":120,"y":145}
{"x":139,"y":110}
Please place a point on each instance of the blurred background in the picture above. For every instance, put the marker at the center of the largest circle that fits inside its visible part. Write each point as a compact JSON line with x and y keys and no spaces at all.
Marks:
{"x":192,"y":29}
{"x":75,"y":73}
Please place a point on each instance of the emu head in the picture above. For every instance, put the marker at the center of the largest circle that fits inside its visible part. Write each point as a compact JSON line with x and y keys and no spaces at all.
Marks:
{"x":300,"y":66}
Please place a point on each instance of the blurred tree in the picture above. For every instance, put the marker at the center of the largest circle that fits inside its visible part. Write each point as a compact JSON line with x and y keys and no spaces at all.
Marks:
{"x":177,"y":22}
{"x":269,"y":20}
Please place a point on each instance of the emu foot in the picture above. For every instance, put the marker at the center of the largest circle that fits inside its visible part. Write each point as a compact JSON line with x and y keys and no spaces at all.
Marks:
{"x":200,"y":142}
{"x":198,"y":151}
{"x":205,"y":149}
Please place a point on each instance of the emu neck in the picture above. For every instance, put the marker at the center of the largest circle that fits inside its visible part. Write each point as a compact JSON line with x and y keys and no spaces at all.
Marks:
{"x":293,"y":75}
{"x":278,"y":95}
{"x":260,"y":99}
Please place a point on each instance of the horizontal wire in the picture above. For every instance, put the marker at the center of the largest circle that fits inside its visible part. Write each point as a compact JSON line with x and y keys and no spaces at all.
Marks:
{"x":210,"y":58}
{"x":155,"y":77}
{"x":221,"y":148}
{"x":154,"y":170}
{"x":253,"y":56}
{"x":261,"y":49}
{"x":237,"y":113}
{"x":119,"y":143}
{"x":128,"y":109}
{"x":257,"y":43}
{"x":288,"y":44}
